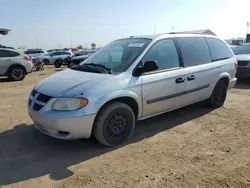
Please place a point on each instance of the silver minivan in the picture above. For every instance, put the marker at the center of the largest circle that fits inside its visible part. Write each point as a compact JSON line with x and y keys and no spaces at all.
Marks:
{"x":132,"y":79}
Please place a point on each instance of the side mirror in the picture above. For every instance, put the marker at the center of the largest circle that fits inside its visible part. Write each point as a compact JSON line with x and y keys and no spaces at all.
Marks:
{"x":147,"y":67}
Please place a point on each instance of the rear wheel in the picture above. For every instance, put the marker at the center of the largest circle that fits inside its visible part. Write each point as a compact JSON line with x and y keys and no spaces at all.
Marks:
{"x":58,"y":64}
{"x":16,"y":73}
{"x":114,"y":124}
{"x":219,"y":95}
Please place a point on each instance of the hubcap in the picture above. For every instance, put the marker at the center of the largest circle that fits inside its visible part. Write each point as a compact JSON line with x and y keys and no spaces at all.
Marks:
{"x":117,"y":125}
{"x":17,"y":74}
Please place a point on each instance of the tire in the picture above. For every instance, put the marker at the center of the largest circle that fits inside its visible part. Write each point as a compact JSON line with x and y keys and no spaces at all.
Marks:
{"x":70,"y":64}
{"x":58,"y":64}
{"x":114,"y":124}
{"x":219,"y":95}
{"x":46,"y":61}
{"x":16,"y":73}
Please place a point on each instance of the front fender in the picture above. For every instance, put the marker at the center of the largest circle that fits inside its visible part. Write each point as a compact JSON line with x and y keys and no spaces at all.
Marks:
{"x":93,"y":108}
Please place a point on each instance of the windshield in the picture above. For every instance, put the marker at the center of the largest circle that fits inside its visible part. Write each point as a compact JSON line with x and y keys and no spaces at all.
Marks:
{"x":119,"y":54}
{"x":244,"y":49}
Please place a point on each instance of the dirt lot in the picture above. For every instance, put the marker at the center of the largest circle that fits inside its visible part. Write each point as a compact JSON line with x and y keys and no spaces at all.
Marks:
{"x":191,"y":147}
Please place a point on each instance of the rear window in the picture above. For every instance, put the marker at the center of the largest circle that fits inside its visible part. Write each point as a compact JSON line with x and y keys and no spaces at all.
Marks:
{"x":219,"y":50}
{"x":194,"y":51}
{"x":6,"y":53}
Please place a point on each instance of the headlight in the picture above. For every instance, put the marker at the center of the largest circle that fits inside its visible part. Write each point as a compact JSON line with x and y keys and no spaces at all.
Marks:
{"x":67,"y":104}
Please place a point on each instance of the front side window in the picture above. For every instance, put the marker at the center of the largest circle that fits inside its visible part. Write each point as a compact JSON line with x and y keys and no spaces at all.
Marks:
{"x":194,"y":51}
{"x":244,"y":49}
{"x":219,"y":50}
{"x":119,"y":54}
{"x":164,"y":53}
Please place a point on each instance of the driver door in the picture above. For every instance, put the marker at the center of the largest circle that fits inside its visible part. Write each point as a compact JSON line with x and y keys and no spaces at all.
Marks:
{"x":163,"y":89}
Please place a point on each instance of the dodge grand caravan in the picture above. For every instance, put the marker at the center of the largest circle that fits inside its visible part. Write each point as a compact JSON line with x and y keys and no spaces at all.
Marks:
{"x":132,"y":79}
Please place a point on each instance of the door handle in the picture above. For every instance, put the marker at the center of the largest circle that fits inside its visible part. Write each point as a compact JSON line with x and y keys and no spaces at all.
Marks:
{"x":179,"y":80}
{"x":8,"y":60}
{"x":191,"y":77}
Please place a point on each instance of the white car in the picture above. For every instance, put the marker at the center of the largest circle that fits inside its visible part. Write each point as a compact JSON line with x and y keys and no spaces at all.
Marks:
{"x":55,"y":58}
{"x":35,"y":52}
{"x":14,"y":64}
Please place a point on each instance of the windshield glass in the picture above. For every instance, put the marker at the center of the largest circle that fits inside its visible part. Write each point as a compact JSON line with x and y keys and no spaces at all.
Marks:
{"x":119,"y":54}
{"x":245,"y":49}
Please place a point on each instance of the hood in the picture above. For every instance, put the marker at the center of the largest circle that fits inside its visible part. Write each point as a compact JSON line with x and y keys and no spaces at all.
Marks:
{"x":69,"y":82}
{"x":243,"y":57}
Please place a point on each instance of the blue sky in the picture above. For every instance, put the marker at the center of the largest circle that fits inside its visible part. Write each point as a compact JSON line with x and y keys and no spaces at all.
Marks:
{"x":46,"y":23}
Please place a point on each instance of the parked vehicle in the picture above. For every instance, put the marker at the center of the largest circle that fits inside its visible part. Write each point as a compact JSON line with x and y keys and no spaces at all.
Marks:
{"x":132,"y":79}
{"x":78,"y":59}
{"x":242,"y":49}
{"x":54,"y":50}
{"x":56,"y":58}
{"x":35,"y":52}
{"x":243,"y":70}
{"x":14,"y":64}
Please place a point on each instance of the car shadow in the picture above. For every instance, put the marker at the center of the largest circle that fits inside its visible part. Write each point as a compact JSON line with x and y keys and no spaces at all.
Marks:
{"x":56,"y":70}
{"x":242,"y":84}
{"x":5,"y":80}
{"x":26,"y":153}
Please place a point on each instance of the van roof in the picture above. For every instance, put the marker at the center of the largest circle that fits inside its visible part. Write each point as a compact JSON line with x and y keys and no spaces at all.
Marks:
{"x":169,"y":35}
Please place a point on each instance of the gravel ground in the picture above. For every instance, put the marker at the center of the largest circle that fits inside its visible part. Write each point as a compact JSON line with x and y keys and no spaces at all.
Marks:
{"x":190,"y":147}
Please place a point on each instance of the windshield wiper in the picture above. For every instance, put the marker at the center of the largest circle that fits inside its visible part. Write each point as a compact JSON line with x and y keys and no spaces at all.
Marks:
{"x":98,"y":65}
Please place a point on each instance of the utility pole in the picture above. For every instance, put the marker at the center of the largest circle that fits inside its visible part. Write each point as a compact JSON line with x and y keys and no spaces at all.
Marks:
{"x":172,"y":29}
{"x":70,"y":36}
{"x":247,"y":27}
{"x":154,"y":30}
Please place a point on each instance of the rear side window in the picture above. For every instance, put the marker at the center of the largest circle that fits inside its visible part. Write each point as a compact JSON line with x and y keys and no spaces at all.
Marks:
{"x":194,"y":51}
{"x":6,"y":53}
{"x":219,"y":50}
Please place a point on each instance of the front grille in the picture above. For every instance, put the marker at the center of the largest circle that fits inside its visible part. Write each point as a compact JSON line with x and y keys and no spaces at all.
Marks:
{"x":30,"y":102}
{"x":38,"y":100}
{"x":37,"y":107}
{"x":43,"y":98}
{"x":33,"y":93}
{"x":242,"y":63}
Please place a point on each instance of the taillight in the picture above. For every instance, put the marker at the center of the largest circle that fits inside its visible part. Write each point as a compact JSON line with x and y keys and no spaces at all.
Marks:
{"x":236,"y":65}
{"x":26,"y":58}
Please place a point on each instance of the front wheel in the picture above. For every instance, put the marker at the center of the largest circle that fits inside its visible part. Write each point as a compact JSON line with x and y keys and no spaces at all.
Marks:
{"x":114,"y":124}
{"x":219,"y":95}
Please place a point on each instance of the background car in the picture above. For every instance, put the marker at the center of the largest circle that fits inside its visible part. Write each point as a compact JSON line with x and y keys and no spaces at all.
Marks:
{"x":79,"y":58}
{"x":35,"y":52}
{"x":243,"y":70}
{"x":242,"y":49}
{"x":56,"y":58}
{"x":14,"y":64}
{"x":54,"y":50}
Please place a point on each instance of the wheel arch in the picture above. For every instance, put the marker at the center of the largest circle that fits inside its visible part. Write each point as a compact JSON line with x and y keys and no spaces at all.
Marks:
{"x":131,"y":98}
{"x":16,"y":65}
{"x":224,"y":77}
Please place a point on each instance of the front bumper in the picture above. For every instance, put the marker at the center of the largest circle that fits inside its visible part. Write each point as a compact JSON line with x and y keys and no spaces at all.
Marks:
{"x":243,"y":72}
{"x":75,"y":127}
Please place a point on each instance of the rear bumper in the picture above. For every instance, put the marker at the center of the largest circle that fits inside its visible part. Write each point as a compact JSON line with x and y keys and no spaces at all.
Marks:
{"x":232,"y":82}
{"x":66,"y":128}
